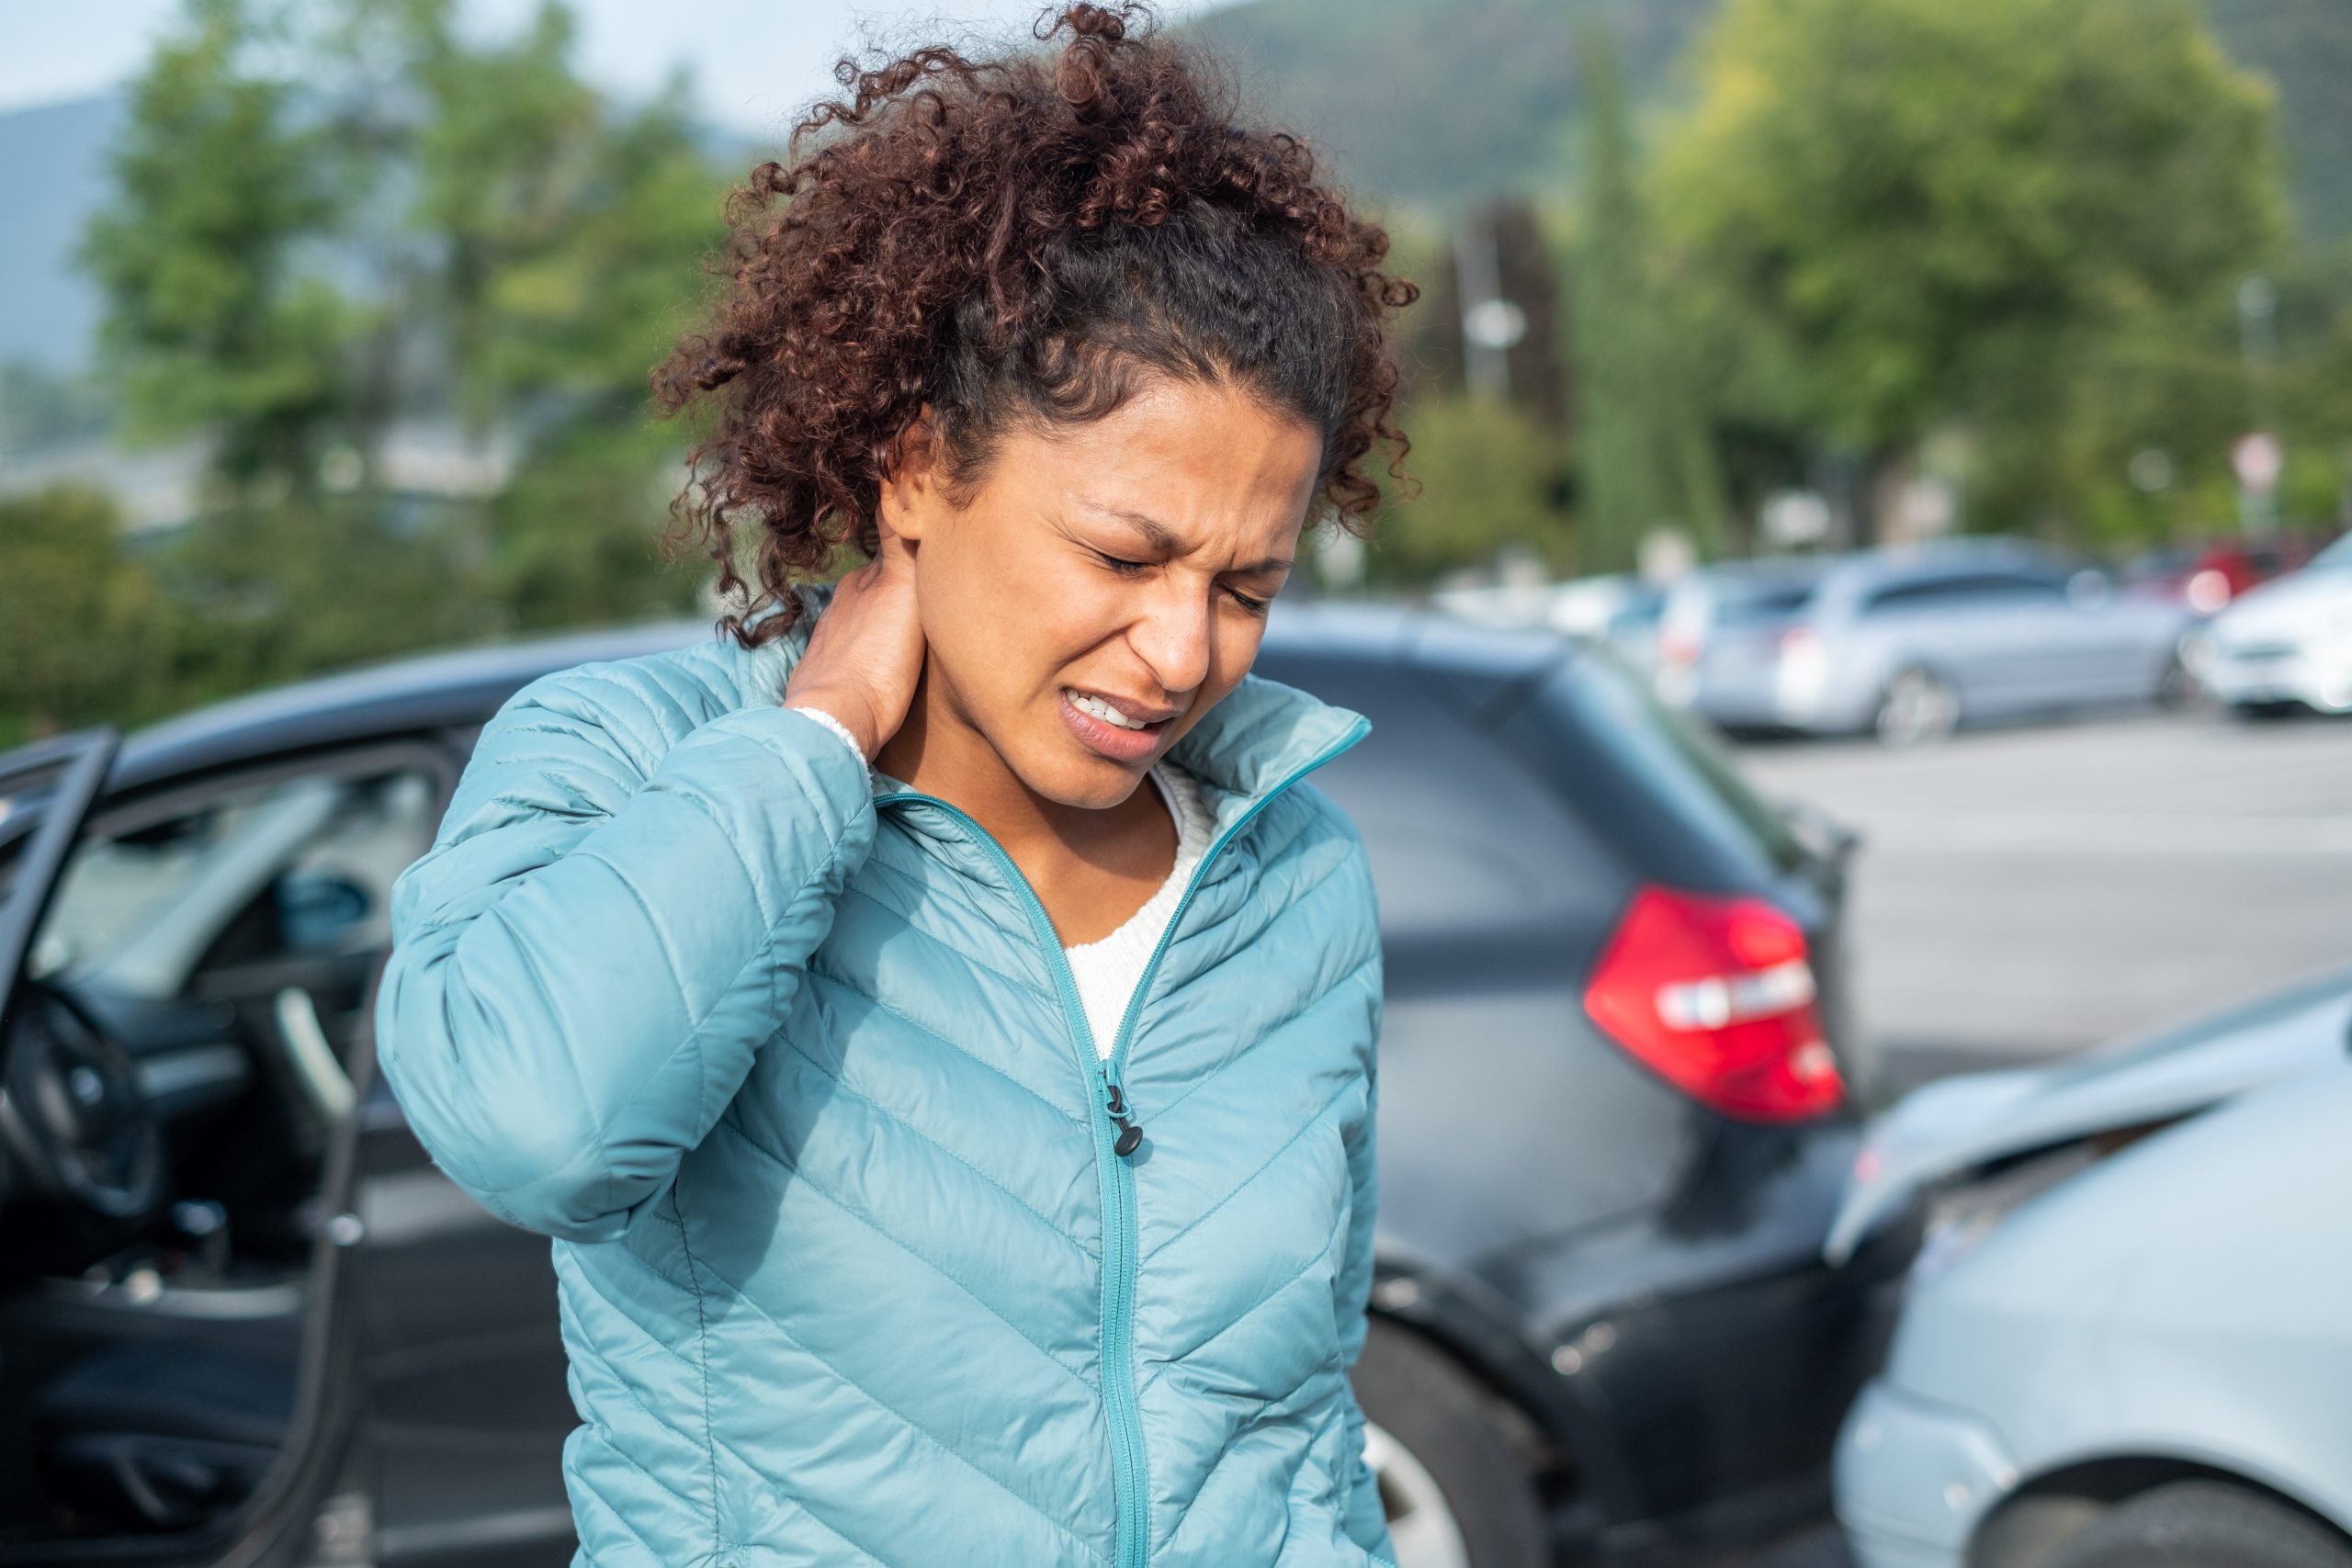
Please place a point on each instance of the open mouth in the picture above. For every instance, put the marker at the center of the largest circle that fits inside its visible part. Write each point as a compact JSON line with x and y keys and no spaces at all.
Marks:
{"x":1106,"y":728}
{"x":1087,"y":702}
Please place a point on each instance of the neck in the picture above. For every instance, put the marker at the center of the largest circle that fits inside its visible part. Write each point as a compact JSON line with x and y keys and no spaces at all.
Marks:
{"x":939,"y":751}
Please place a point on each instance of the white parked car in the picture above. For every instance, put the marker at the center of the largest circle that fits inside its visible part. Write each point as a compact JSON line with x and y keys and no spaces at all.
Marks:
{"x":2286,"y":642}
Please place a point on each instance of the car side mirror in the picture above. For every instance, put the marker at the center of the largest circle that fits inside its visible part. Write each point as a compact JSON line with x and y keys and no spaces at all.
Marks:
{"x":317,"y":912}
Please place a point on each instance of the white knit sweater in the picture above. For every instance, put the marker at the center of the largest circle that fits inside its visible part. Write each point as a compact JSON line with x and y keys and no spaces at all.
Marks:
{"x":1108,"y":969}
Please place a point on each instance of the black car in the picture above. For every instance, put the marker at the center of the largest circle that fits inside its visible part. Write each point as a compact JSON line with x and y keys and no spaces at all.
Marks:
{"x":244,"y":1320}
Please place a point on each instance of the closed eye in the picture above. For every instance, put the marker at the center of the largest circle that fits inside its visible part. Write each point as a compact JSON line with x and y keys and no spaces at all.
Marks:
{"x":1129,"y":568}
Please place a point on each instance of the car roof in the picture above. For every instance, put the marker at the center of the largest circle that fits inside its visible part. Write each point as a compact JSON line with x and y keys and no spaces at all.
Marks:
{"x":1930,"y":557}
{"x":1772,"y":569}
{"x":413,"y":693}
{"x":422,"y":692}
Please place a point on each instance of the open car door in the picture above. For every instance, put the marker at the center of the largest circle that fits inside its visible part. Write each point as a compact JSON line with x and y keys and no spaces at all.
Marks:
{"x":84,"y":1162}
{"x":46,"y":789}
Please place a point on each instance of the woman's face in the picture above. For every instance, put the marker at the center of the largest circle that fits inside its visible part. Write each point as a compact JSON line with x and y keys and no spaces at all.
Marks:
{"x":1121,"y":564}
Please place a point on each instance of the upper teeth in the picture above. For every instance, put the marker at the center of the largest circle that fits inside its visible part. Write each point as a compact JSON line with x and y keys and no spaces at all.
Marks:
{"x":1085,"y":702}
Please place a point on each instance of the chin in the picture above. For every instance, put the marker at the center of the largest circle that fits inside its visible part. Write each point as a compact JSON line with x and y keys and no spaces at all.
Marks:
{"x":1069,"y":774}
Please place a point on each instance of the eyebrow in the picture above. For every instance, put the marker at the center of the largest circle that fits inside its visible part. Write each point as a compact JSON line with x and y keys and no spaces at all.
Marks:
{"x":1160,"y":536}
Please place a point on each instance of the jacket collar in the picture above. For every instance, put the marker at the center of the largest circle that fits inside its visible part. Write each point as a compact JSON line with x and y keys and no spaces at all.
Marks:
{"x":1250,"y":744}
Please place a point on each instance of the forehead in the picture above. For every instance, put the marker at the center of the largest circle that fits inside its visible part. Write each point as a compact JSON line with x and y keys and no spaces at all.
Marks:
{"x":1178,"y":458}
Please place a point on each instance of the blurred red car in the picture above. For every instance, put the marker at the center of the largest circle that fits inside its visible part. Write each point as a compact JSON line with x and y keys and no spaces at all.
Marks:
{"x":2210,"y":573}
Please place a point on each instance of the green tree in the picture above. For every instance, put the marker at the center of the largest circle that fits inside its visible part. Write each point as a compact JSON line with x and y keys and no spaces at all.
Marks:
{"x":80,"y":619}
{"x":218,"y":320}
{"x":1643,"y":457}
{"x":261,"y":594}
{"x":1900,"y":212}
{"x":338,"y":221}
{"x":569,"y":232}
{"x":1487,"y":479}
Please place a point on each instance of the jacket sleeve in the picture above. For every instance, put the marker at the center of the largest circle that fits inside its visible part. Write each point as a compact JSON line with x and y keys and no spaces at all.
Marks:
{"x":1367,"y":1520}
{"x":588,"y":957}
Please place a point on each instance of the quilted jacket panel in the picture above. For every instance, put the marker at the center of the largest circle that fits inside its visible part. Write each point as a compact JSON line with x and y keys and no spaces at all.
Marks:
{"x":784,"y":1060}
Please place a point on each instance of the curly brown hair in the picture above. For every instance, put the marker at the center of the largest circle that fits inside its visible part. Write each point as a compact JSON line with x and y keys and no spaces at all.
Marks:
{"x":1023,"y":238}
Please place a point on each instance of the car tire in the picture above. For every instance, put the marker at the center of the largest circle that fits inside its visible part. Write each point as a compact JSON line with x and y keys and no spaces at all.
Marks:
{"x":2204,"y":1524}
{"x":1916,"y":705}
{"x":1457,"y":1492}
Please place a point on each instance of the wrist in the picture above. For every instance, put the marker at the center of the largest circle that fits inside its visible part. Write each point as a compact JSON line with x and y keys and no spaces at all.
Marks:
{"x":845,"y":719}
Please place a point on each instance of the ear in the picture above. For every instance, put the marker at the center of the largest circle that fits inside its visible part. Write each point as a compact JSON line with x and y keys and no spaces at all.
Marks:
{"x":913,"y":494}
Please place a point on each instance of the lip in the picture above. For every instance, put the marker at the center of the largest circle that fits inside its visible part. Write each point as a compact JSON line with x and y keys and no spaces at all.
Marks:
{"x":1129,"y":708}
{"x":1109,"y":740}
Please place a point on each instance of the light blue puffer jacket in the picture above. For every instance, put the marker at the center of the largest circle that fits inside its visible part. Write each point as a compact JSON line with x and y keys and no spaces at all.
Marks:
{"x":787,"y":1060}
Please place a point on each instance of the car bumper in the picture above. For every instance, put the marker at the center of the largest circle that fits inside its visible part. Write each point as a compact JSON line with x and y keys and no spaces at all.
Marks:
{"x":1915,"y":1478}
{"x":2298,"y":676}
{"x":1717,"y":1377}
{"x":1789,"y":698}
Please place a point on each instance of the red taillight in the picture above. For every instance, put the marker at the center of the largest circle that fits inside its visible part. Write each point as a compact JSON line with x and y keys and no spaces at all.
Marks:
{"x":1715,"y":995}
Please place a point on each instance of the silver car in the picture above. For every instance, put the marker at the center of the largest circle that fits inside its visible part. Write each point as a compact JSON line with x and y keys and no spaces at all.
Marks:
{"x":2128,"y":1337}
{"x":1910,"y":642}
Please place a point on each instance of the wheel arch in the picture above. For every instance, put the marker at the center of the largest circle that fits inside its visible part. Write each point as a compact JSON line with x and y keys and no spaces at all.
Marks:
{"x":1901,"y":656}
{"x":2040,"y":1515}
{"x":1478,"y":1333}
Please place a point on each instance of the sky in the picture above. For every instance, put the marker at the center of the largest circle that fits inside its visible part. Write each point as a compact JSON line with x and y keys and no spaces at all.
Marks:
{"x":754,"y":61}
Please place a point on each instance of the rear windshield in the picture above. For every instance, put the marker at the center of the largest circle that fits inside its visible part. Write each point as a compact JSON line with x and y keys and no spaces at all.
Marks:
{"x":1461,"y":832}
{"x":1747,"y":603}
{"x":1651,"y":777}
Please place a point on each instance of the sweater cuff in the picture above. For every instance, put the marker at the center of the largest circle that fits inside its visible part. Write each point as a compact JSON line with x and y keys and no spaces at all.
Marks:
{"x":837,"y":726}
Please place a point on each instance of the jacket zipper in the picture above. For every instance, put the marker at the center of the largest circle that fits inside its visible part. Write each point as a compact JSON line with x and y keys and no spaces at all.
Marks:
{"x":1114,"y":1122}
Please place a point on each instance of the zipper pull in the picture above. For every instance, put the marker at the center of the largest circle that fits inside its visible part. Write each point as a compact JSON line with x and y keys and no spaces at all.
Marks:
{"x":1130,"y":1131}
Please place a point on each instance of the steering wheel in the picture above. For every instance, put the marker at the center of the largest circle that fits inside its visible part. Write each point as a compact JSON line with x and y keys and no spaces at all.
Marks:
{"x":76,"y":1124}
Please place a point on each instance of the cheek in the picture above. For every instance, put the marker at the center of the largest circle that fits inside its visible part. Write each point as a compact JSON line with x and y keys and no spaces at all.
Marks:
{"x":1234,"y":651}
{"x":1000,"y":631}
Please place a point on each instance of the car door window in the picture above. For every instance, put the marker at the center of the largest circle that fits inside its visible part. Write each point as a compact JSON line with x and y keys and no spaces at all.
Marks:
{"x":292,"y":868}
{"x":2024,"y":588}
{"x":1967,"y":591}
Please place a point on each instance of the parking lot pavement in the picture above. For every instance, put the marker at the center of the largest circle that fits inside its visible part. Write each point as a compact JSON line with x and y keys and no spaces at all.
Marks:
{"x":2026,"y":892}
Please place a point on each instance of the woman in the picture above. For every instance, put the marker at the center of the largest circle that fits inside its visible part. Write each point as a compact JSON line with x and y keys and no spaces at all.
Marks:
{"x":955,"y":1153}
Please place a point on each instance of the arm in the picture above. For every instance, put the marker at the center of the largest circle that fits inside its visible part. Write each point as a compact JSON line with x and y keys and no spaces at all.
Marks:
{"x":587,"y":958}
{"x":1367,"y":1520}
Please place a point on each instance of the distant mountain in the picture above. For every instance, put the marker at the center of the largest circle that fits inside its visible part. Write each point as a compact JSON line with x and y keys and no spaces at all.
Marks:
{"x":1441,"y":103}
{"x":1444,"y":103}
{"x":52,"y":173}
{"x":2306,"y":47}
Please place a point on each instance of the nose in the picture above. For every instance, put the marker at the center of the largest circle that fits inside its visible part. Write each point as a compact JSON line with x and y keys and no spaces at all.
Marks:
{"x":1175,"y":631}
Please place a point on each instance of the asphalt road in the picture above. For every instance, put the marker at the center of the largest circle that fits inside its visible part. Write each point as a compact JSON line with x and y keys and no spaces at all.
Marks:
{"x":2027,"y":892}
